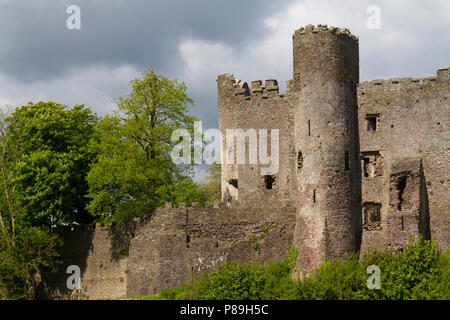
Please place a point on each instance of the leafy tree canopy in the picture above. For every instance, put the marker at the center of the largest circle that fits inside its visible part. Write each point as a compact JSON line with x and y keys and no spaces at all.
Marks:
{"x":134,"y":173}
{"x":48,"y":159}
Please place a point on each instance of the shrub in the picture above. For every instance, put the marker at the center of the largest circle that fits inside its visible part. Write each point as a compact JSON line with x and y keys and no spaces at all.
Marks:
{"x":419,"y":271}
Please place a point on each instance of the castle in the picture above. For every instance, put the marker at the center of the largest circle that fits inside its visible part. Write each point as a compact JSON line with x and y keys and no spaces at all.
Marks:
{"x":361,"y":166}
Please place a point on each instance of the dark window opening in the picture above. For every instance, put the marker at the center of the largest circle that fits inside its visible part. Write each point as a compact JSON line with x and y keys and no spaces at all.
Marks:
{"x":403,"y":226}
{"x":314,"y":196}
{"x":401,"y":184}
{"x":299,"y":160}
{"x":347,"y":160}
{"x":372,"y":120}
{"x":233,"y":182}
{"x":188,"y":240}
{"x":372,"y":216}
{"x":366,"y":166}
{"x":268,"y":181}
{"x":372,"y":164}
{"x":309,"y":127}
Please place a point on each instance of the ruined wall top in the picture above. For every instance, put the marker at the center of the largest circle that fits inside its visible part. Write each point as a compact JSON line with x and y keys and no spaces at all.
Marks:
{"x":323,"y":28}
{"x":258,"y":89}
{"x":393,"y":84}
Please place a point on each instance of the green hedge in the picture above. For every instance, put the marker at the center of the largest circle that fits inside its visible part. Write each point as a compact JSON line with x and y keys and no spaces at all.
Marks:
{"x":419,"y":271}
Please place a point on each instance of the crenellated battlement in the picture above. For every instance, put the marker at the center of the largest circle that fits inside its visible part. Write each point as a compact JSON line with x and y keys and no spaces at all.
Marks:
{"x":323,"y":28}
{"x":394,"y":84}
{"x":258,"y":89}
{"x":192,"y":205}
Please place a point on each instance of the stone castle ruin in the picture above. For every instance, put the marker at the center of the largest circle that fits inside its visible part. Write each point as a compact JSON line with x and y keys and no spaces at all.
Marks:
{"x":361,"y":166}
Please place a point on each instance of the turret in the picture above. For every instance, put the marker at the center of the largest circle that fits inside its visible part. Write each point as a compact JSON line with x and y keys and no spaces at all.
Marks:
{"x":328,"y":175}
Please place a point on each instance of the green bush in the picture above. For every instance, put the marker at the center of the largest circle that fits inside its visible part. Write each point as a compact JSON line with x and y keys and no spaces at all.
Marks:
{"x":418,"y":271}
{"x":333,"y":280}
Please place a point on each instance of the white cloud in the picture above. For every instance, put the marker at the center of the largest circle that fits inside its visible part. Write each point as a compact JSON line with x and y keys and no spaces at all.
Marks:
{"x":95,"y":86}
{"x":414,"y":40}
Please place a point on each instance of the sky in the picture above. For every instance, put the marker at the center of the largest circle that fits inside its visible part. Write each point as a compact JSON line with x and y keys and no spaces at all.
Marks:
{"x":195,"y":41}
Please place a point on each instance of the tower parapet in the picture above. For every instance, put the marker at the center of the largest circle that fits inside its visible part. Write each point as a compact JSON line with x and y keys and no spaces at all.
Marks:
{"x":255,"y":113}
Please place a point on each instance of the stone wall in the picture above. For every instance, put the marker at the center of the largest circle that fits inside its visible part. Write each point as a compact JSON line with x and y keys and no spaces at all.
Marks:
{"x":408,"y":214}
{"x":164,"y":249}
{"x":101,"y":253}
{"x":257,"y":107}
{"x":406,"y":118}
{"x":178,"y":242}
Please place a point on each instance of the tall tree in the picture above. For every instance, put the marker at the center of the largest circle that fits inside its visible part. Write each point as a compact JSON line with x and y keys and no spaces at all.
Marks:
{"x":134,"y":172}
{"x":25,"y":247}
{"x":49,"y":162}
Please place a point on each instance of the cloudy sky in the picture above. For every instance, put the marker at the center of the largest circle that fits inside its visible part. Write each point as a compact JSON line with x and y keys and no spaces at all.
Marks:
{"x":195,"y":40}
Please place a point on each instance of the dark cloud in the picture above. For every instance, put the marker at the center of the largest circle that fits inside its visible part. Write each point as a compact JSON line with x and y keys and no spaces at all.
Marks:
{"x":196,"y":40}
{"x":37,"y":45}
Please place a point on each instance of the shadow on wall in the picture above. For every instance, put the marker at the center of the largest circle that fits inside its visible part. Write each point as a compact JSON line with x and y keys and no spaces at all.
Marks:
{"x":424,"y":211}
{"x":121,"y":234}
{"x":75,"y":251}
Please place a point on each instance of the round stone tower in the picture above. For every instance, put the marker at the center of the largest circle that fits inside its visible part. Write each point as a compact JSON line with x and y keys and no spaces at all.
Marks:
{"x":328,"y":177}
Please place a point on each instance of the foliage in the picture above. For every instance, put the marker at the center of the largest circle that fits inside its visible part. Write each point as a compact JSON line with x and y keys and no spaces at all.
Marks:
{"x":233,"y":282}
{"x":134,"y":173}
{"x":419,"y":271}
{"x":44,"y":160}
{"x":20,"y":264}
{"x":211,"y":185}
{"x":50,"y":161}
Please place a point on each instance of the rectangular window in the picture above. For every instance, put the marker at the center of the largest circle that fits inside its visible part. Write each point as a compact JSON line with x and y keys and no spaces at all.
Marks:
{"x":372,"y":215}
{"x":372,"y":164}
{"x":269,"y":181}
{"x":372,"y":122}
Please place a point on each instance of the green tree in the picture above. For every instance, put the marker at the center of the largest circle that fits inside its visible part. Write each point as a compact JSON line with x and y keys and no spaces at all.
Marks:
{"x":134,"y":172}
{"x":25,"y":246}
{"x":211,"y":184}
{"x":49,"y":161}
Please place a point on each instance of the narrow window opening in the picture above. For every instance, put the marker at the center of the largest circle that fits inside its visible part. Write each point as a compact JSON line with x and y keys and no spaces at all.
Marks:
{"x":401,"y":184}
{"x":268,"y":181}
{"x":309,"y":127}
{"x":401,"y":219}
{"x":347,"y":160}
{"x":366,"y":166}
{"x":314,"y":196}
{"x":188,"y":240}
{"x":299,"y":160}
{"x":233,"y":182}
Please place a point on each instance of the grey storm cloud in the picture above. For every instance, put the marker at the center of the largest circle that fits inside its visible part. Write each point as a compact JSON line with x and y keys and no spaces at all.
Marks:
{"x":37,"y":45}
{"x":195,"y":40}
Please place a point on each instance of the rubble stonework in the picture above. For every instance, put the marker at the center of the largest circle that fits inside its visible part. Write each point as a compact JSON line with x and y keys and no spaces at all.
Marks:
{"x":361,"y":166}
